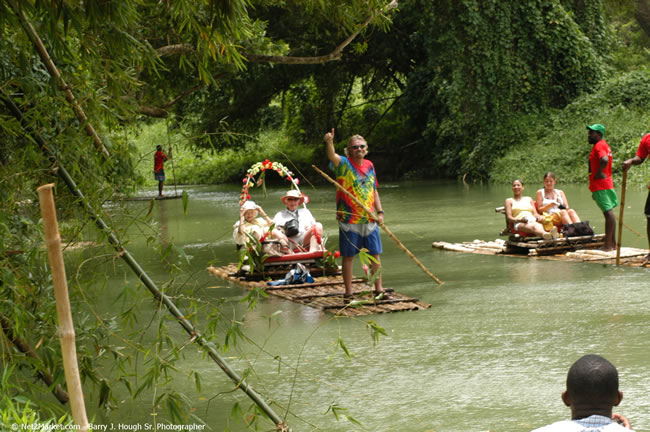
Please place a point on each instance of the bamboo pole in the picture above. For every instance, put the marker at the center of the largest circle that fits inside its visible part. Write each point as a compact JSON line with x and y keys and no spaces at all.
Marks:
{"x":381,"y":224}
{"x":171,"y":155}
{"x":54,"y":72}
{"x":620,"y":219}
{"x":63,"y":312}
{"x":162,"y":298}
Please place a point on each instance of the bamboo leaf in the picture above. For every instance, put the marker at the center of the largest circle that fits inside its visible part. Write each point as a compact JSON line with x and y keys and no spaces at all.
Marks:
{"x":341,"y":343}
{"x":197,"y":381}
{"x":104,"y":393}
{"x":375,"y":331}
{"x":151,"y":204}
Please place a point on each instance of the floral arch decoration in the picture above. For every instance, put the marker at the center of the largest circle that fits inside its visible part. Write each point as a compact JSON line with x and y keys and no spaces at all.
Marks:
{"x":261,"y":168}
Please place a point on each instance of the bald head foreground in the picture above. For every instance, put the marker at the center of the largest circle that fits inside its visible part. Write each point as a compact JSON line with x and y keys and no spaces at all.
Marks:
{"x":591,"y":393}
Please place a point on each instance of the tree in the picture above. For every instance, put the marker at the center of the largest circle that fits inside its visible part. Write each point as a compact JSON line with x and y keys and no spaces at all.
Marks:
{"x":488,"y":63}
{"x":118,"y":60}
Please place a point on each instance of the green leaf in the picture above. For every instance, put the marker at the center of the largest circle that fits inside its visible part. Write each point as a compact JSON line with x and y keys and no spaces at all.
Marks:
{"x":104,"y":393}
{"x":341,"y":343}
{"x":375,"y":331}
{"x":197,"y":381}
{"x":185,"y":201}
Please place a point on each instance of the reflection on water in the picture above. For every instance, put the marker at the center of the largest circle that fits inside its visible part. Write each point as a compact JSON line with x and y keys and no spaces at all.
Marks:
{"x":491,"y":353}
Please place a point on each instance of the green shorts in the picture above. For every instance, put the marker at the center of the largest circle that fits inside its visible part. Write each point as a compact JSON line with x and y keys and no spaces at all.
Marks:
{"x":606,"y":199}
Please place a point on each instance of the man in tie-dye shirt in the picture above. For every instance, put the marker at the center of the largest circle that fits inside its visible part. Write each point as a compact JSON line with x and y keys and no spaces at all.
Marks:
{"x":357,"y":229}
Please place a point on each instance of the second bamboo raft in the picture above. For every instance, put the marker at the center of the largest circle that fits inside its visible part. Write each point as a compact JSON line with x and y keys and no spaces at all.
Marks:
{"x":630,"y":257}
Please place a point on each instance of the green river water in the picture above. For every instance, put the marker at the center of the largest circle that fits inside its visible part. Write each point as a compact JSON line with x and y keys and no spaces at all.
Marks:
{"x":491,"y":353}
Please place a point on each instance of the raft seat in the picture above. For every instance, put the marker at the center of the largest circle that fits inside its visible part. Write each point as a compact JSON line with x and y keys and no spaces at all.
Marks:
{"x":299,"y":257}
{"x":509,"y":230}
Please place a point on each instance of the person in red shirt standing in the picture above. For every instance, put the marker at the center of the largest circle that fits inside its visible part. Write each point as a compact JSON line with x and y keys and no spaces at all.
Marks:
{"x":159,"y":167}
{"x":641,"y":154}
{"x":601,"y":184}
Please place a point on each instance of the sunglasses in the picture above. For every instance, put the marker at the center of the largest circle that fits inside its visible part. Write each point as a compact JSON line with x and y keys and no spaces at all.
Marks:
{"x":293,"y":199}
{"x":357,"y":147}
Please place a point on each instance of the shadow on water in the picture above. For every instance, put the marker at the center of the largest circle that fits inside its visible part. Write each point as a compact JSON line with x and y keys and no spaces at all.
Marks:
{"x":490,"y":354}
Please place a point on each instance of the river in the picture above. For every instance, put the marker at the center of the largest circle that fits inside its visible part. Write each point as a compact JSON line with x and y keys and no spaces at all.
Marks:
{"x":491,"y":353}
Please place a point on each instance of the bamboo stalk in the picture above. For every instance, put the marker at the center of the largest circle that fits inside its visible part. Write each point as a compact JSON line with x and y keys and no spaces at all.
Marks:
{"x":54,"y":72}
{"x":63,"y":312}
{"x":620,"y":219}
{"x":144,"y":277}
{"x":381,"y":224}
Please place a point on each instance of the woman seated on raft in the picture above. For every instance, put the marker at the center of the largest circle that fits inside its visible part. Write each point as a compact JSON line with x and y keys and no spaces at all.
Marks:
{"x":554,"y":203}
{"x":249,"y":223}
{"x":521,"y":214}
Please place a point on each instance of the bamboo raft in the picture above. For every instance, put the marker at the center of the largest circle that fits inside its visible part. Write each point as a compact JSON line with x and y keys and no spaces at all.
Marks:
{"x":325,"y":293}
{"x":555,"y":250}
{"x":534,"y":246}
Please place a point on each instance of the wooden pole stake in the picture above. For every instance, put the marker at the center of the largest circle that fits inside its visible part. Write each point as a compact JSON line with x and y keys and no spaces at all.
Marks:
{"x":620,"y":219}
{"x":381,"y":224}
{"x":171,"y":155}
{"x":63,"y":312}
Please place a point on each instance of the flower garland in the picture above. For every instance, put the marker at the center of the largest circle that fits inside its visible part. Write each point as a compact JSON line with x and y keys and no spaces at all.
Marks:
{"x":262,"y":167}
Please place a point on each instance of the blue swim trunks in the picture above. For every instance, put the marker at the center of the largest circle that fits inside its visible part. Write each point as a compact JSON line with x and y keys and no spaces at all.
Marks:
{"x":159,"y":175}
{"x":351,"y":241}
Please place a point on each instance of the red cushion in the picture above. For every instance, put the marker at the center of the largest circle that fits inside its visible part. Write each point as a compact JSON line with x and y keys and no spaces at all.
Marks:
{"x":520,"y":233}
{"x":295,"y":257}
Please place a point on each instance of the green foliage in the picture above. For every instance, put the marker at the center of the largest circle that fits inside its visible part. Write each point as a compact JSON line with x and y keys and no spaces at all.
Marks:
{"x":630,"y":50}
{"x":329,"y":259}
{"x":489,"y":61}
{"x":19,"y":414}
{"x":367,"y":261}
{"x":341,"y":343}
{"x":340,"y":412}
{"x":252,"y":253}
{"x":556,"y":140}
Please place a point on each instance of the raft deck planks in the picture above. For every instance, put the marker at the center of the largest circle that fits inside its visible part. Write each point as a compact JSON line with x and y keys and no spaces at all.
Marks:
{"x":326,"y":294}
{"x":630,"y":257}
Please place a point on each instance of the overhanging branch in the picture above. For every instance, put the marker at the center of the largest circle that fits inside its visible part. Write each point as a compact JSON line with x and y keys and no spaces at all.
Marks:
{"x":185,"y":49}
{"x":162,"y":112}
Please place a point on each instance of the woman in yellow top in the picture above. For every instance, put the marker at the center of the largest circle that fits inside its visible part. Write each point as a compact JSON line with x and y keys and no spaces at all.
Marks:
{"x":521,"y":213}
